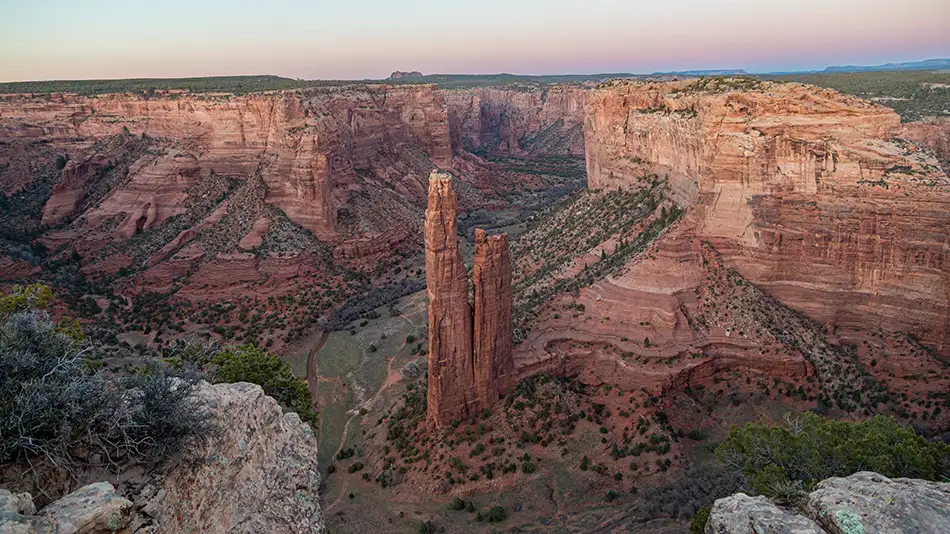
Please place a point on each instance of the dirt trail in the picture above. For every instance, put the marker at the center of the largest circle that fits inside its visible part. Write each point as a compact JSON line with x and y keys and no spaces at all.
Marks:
{"x":391,"y":378}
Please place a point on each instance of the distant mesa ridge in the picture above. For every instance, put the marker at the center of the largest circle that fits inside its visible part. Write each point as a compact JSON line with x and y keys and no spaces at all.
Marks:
{"x":399,"y":75}
{"x":927,"y":64}
{"x":702,"y":72}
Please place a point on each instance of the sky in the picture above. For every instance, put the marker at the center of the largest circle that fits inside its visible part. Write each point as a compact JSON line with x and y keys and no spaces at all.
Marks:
{"x":356,"y":39}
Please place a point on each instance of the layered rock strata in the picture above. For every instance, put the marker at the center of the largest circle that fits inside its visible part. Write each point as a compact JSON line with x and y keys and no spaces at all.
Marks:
{"x":451,"y":393}
{"x":491,"y":274}
{"x":468,"y":367}
{"x":308,"y":146}
{"x":805,"y":191}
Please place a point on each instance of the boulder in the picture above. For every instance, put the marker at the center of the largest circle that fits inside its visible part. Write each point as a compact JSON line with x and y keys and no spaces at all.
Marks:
{"x":863,"y":503}
{"x":92,"y":509}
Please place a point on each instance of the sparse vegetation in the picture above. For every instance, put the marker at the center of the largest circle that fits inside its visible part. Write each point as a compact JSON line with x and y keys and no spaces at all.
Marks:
{"x":247,"y":363}
{"x":56,"y":411}
{"x":810,"y":448}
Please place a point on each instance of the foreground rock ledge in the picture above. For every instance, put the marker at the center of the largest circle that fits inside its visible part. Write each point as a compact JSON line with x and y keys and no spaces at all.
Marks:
{"x":863,"y":503}
{"x":258,"y":474}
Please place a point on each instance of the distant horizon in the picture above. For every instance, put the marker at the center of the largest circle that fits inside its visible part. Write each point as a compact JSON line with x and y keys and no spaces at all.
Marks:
{"x":870,"y":68}
{"x":328,"y":40}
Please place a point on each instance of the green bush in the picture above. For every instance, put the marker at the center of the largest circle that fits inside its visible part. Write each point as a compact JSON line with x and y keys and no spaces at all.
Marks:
{"x":496,"y":514}
{"x":697,"y":525}
{"x":247,"y":363}
{"x":782,"y":460}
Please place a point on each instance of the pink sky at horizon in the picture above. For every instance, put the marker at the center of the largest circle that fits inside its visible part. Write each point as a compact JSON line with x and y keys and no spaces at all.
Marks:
{"x":82,"y":39}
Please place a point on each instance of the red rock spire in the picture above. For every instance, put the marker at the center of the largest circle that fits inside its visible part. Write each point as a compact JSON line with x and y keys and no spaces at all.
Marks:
{"x":451,"y":377}
{"x":491,"y":273}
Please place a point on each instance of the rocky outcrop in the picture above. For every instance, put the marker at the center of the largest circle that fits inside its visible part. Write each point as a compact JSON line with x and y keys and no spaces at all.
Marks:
{"x":805,"y":191}
{"x":258,"y":474}
{"x":518,"y":121}
{"x":92,"y":509}
{"x":861,"y":503}
{"x":741,"y":514}
{"x":451,"y":394}
{"x":491,"y":274}
{"x":69,"y":192}
{"x":933,"y":133}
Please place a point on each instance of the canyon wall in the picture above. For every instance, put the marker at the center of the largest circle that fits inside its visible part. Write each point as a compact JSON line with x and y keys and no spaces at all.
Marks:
{"x":309,"y":147}
{"x":933,"y":133}
{"x":517,"y":121}
{"x":805,"y":191}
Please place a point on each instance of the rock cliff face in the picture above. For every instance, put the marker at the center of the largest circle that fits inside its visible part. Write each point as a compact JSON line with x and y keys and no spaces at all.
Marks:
{"x":863,"y":502}
{"x":307,"y":146}
{"x":451,"y":393}
{"x":258,"y":475}
{"x":933,"y":133}
{"x":804,"y":191}
{"x":71,"y":189}
{"x":530,"y":121}
{"x":491,"y":274}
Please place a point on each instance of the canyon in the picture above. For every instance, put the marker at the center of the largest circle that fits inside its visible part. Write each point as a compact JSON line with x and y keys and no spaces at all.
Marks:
{"x":743,"y":248}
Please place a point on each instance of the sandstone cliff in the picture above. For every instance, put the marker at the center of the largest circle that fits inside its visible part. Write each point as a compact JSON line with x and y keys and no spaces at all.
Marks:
{"x":491,"y":274}
{"x":307,"y":146}
{"x":933,"y":133}
{"x":804,"y":191}
{"x":451,"y":374}
{"x":863,"y":502}
{"x":517,"y":121}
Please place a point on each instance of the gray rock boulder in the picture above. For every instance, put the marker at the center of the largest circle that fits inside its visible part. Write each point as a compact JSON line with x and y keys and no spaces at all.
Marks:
{"x":92,"y":509}
{"x":258,"y":474}
{"x":740,"y":514}
{"x":14,"y":509}
{"x":863,"y":503}
{"x":869,"y":503}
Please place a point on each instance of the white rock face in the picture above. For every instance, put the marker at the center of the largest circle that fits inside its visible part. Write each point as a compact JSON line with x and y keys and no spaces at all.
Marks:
{"x":863,"y":503}
{"x":258,"y":475}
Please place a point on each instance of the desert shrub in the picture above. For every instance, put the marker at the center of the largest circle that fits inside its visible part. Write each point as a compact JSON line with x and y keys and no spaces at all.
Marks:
{"x":58,"y":411}
{"x":696,"y":488}
{"x":781,"y":460}
{"x":32,"y":297}
{"x":496,"y":514}
{"x":457,"y":504}
{"x":247,"y":363}
{"x":697,"y":525}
